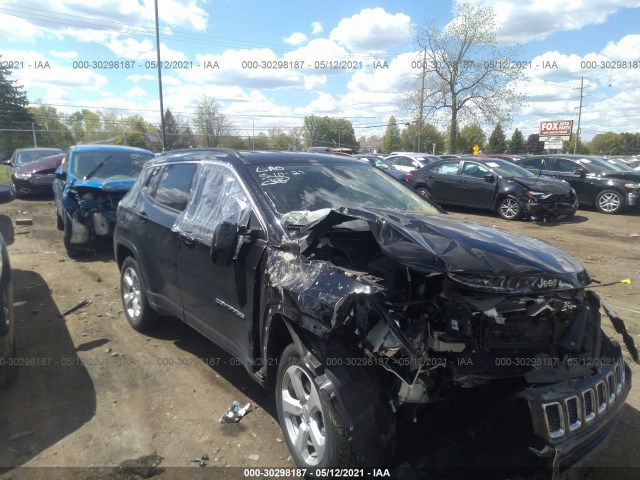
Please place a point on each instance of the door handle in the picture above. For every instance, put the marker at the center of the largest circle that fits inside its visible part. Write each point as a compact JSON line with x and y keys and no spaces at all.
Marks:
{"x":142,"y":216}
{"x":187,"y":239}
{"x":462,"y":181}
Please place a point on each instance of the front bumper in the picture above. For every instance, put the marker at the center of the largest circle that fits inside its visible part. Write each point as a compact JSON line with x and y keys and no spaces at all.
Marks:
{"x":576,"y":417}
{"x":551,"y":209}
{"x":36,"y":183}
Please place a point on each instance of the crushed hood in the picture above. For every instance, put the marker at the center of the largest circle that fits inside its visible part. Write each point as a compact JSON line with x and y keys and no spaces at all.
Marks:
{"x":545,"y":184}
{"x":444,"y":244}
{"x":106,"y":185}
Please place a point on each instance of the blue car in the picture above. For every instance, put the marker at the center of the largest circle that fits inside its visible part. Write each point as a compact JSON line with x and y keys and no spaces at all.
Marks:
{"x":88,"y":185}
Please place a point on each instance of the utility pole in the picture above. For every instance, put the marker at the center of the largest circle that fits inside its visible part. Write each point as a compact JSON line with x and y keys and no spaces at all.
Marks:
{"x":420,"y":119}
{"x":575,"y":145}
{"x":159,"y":76}
{"x":35,"y":140}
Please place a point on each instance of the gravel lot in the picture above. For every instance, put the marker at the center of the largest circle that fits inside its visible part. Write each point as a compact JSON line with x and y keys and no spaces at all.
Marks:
{"x":99,"y":394}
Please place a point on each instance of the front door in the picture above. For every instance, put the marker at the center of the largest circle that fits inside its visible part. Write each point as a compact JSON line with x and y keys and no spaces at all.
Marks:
{"x":218,"y":301}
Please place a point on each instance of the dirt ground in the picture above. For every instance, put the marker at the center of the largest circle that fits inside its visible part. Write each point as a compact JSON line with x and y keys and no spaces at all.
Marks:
{"x":95,"y":393}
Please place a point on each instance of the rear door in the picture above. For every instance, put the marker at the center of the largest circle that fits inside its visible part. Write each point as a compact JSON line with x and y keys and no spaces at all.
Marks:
{"x":443,"y":181}
{"x":163,"y":198}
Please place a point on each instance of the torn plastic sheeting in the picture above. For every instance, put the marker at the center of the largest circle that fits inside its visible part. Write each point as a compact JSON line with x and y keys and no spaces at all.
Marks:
{"x":320,"y":291}
{"x":216,"y":196}
{"x":439,"y":243}
{"x":235,"y":412}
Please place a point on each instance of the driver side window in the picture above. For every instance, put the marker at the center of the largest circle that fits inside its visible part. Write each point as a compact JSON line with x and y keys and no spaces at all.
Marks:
{"x":564,"y":165}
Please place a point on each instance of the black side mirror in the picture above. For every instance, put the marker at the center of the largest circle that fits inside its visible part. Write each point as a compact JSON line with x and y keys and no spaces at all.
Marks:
{"x":60,"y":175}
{"x":224,"y":243}
{"x":489,"y":178}
{"x":7,"y":162}
{"x":580,"y":171}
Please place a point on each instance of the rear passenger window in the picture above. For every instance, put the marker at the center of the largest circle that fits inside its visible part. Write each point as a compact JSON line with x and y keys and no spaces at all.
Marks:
{"x":174,"y":184}
{"x":447,"y":168}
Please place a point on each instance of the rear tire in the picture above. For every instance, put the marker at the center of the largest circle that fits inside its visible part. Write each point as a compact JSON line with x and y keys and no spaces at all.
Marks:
{"x":309,"y":422}
{"x":424,"y":193}
{"x":133,"y":292}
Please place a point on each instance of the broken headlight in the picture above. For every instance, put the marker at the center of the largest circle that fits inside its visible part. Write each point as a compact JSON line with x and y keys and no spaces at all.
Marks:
{"x":537,"y":195}
{"x":22,"y":176}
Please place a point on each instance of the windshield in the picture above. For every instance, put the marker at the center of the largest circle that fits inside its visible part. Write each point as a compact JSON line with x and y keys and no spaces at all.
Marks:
{"x":22,"y":158}
{"x":116,"y":166}
{"x":507,"y":169}
{"x":299,"y":190}
{"x":601,"y":165}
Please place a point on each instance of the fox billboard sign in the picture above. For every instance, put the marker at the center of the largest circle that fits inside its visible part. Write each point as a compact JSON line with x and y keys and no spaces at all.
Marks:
{"x":556,"y":128}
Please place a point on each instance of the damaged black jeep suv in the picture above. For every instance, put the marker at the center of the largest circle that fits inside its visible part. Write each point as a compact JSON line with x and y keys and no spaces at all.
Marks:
{"x":353,"y":297}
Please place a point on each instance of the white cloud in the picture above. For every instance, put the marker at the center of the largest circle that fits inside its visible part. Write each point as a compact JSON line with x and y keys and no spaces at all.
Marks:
{"x":137,"y":77}
{"x":528,"y":20}
{"x":53,"y":75}
{"x":15,"y":29}
{"x":316,"y":28}
{"x":295,"y":38}
{"x":136,"y":92}
{"x":372,"y":30}
{"x":64,"y":55}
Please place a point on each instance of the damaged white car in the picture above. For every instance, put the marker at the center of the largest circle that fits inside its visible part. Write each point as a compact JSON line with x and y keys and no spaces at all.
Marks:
{"x":355,"y":298}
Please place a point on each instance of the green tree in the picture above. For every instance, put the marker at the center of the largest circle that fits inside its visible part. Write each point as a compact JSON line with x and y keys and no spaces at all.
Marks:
{"x":470,"y":135}
{"x":14,"y":115}
{"x":463,"y":72}
{"x":517,"y":144}
{"x":52,"y":132}
{"x":428,"y":135}
{"x":329,"y":132}
{"x":534,"y":145}
{"x":391,"y":139}
{"x":608,"y":143}
{"x":132,"y":139}
{"x":497,"y":140}
{"x":171,"y":130}
{"x":569,"y":145}
{"x":212,"y":126}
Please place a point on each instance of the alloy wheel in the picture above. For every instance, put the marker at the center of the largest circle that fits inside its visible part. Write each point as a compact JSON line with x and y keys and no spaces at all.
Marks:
{"x":609,"y":202}
{"x":509,"y":208}
{"x":303,"y":415}
{"x":131,"y":293}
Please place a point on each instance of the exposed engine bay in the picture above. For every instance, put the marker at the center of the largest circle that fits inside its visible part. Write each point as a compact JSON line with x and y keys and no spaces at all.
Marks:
{"x":92,"y":211}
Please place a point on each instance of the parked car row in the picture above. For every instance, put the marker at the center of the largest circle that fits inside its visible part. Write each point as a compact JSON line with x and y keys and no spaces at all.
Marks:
{"x":351,"y":295}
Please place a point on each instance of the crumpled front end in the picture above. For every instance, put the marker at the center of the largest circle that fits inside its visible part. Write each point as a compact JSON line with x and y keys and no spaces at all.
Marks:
{"x":92,"y":211}
{"x":440,"y":307}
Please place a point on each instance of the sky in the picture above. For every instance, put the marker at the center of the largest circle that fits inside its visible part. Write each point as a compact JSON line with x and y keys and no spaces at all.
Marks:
{"x":74,"y":54}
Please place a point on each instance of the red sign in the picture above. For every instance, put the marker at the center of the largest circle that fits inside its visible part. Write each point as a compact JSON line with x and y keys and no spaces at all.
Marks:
{"x":556,"y":127}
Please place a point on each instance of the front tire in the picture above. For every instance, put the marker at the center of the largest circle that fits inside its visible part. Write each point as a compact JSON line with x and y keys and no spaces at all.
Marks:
{"x":313,"y":434}
{"x":509,"y":208}
{"x":610,"y":201}
{"x":133,"y":292}
{"x":72,"y":250}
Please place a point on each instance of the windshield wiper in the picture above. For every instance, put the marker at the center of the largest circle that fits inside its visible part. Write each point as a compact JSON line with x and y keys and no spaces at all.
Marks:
{"x":96,"y":168}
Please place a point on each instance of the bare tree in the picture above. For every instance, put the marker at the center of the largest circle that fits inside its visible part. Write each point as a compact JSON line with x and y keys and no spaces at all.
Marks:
{"x":463,"y":71}
{"x":210,"y":123}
